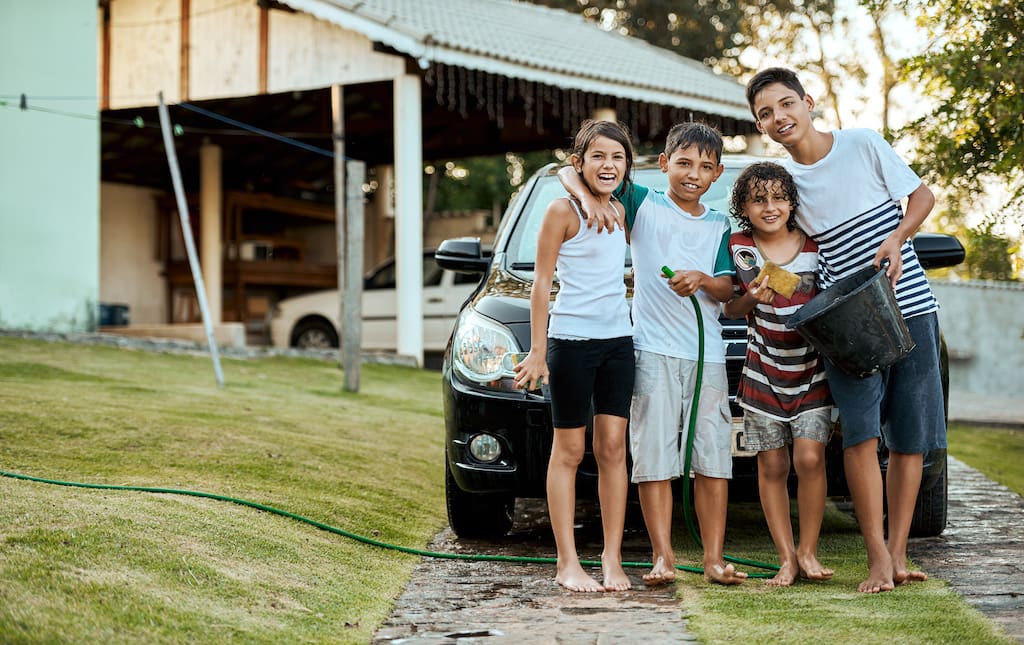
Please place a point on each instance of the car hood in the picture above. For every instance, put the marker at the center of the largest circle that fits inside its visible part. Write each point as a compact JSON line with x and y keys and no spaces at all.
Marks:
{"x":504,"y":297}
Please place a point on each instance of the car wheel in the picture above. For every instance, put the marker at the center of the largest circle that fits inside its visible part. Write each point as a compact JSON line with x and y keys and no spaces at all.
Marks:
{"x":477,"y":515}
{"x":314,"y":334}
{"x":930,"y":512}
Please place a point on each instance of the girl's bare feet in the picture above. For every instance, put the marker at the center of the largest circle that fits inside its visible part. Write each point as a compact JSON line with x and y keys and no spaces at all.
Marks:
{"x":615,"y":579}
{"x":574,"y":578}
{"x":811,"y":569}
{"x":786,"y":576}
{"x":661,"y":573}
{"x":723,"y":574}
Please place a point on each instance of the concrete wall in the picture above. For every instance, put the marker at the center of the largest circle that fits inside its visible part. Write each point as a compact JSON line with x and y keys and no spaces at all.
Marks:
{"x":983,"y":322}
{"x":130,"y":264}
{"x":49,"y":169}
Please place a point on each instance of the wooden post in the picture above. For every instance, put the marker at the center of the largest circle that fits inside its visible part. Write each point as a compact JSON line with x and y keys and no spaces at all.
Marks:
{"x":352,"y":323}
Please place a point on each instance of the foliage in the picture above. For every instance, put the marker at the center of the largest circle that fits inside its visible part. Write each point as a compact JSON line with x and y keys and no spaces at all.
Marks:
{"x":479,"y":182}
{"x":974,"y":68}
{"x":706,"y":31}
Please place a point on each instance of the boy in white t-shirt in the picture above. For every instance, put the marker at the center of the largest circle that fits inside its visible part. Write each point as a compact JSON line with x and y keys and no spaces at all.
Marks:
{"x":851,"y":184}
{"x":675,"y":229}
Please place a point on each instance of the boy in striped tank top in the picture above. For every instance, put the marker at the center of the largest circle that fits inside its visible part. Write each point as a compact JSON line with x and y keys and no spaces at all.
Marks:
{"x":782,"y":389}
{"x":585,"y":349}
{"x":852,"y":185}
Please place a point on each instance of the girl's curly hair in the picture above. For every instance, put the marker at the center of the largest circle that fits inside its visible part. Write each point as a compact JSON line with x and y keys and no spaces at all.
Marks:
{"x":754,"y":182}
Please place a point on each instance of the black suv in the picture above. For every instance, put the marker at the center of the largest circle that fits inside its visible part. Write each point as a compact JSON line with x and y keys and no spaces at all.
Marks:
{"x":498,"y":438}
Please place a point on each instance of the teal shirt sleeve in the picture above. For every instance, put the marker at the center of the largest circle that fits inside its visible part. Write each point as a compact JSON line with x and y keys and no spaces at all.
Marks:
{"x":631,"y":199}
{"x":723,"y":260}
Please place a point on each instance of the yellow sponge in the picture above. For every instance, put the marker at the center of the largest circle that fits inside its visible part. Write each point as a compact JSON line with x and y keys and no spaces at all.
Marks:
{"x":780,"y":280}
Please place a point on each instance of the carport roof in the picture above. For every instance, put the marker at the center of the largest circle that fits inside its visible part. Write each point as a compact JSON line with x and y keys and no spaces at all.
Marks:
{"x":534,"y":43}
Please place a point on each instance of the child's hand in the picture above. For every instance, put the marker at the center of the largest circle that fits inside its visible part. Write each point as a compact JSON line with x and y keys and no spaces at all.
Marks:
{"x":531,"y":372}
{"x":686,"y":283}
{"x":605,"y":216}
{"x":890,"y":252}
{"x":761,"y":292}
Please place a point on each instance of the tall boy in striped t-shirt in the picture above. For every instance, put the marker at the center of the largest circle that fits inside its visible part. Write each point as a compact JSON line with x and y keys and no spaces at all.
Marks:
{"x":851,"y":184}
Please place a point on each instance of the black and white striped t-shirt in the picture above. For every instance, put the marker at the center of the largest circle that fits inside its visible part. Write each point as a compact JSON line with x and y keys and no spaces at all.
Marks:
{"x":850,"y":202}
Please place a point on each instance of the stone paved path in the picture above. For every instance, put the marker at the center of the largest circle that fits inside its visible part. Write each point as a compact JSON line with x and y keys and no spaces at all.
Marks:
{"x":981,"y":552}
{"x":454,"y":601}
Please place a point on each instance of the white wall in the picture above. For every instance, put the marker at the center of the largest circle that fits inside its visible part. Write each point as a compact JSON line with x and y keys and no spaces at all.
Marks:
{"x":49,"y":169}
{"x":130,"y":265}
{"x":983,"y":323}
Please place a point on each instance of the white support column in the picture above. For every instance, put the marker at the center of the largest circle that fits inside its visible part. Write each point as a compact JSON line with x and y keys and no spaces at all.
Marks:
{"x":755,"y":144}
{"x":604,"y":114}
{"x":210,"y":217}
{"x":409,"y":215}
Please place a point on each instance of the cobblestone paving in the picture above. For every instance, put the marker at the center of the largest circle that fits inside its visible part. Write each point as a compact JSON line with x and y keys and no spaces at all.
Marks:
{"x":981,"y":552}
{"x":454,"y":601}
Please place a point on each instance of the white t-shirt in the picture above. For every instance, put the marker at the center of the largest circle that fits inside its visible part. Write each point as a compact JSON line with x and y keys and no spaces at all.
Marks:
{"x":662,"y":234}
{"x":850,"y":201}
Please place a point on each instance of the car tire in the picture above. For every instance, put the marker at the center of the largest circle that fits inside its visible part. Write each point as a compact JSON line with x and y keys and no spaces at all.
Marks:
{"x":315,"y":333}
{"x":477,"y":515}
{"x":930,"y":511}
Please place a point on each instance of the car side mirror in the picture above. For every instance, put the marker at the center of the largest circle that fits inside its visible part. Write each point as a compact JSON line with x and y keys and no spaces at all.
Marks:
{"x":462,"y":254}
{"x":935,"y":250}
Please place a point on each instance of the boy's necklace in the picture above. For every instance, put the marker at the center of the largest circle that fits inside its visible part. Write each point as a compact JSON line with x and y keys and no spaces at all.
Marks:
{"x":791,"y":245}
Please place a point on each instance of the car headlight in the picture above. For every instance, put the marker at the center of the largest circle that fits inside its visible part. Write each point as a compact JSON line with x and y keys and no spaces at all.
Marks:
{"x":479,"y":350}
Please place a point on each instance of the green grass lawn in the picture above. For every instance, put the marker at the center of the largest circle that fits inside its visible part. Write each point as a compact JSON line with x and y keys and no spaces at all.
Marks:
{"x":997,"y":452}
{"x":85,"y":566}
{"x":91,"y":566}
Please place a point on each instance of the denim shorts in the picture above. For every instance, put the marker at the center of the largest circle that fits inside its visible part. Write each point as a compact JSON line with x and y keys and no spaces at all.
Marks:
{"x":903,"y":403}
{"x":584,"y":371}
{"x":661,"y":419}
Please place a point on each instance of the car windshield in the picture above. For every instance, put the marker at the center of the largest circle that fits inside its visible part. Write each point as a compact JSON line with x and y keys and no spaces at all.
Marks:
{"x":522,"y":245}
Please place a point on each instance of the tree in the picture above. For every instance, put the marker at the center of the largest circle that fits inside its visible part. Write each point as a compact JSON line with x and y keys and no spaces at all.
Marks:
{"x":975,"y":68}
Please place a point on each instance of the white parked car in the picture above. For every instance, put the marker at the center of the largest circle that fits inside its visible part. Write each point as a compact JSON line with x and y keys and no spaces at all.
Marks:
{"x":311,"y":320}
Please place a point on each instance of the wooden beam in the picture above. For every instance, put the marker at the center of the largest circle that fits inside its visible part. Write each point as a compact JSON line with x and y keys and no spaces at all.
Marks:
{"x":105,"y":69}
{"x":264,"y":40}
{"x":183,"y":60}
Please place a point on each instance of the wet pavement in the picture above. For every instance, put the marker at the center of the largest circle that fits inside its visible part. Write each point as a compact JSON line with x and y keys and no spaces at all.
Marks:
{"x":981,"y":554}
{"x":454,"y":601}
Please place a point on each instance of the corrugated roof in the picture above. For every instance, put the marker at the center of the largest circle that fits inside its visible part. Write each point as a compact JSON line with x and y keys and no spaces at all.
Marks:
{"x":522,"y":40}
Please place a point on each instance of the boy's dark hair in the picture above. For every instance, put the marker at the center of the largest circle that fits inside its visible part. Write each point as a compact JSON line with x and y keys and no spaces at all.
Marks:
{"x":683,"y":135}
{"x":766,"y":77}
{"x":753,"y":182}
{"x":591,"y":129}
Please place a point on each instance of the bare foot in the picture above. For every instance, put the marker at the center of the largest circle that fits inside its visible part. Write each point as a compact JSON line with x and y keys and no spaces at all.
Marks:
{"x":879,"y":575}
{"x":615,"y":579}
{"x":723,"y":574}
{"x":786,"y":576}
{"x":901,"y":575}
{"x":662,"y":573}
{"x":576,"y":579}
{"x":811,"y":569}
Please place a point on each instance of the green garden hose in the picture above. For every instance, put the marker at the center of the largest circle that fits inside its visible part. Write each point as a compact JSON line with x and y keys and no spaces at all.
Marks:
{"x":687,"y":506}
{"x":322,"y":526}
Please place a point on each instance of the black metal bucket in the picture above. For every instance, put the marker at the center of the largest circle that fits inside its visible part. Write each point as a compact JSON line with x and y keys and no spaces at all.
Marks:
{"x":856,"y":323}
